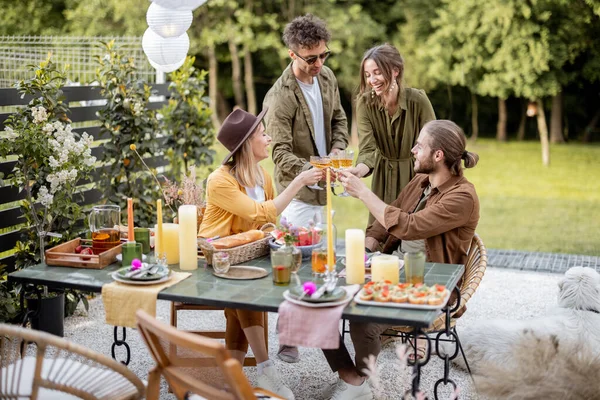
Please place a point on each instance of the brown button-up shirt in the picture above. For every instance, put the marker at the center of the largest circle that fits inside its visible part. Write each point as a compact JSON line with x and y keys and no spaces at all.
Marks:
{"x":447,"y":223}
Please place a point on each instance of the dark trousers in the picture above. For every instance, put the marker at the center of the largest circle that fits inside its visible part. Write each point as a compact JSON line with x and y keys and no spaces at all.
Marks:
{"x":365,"y":337}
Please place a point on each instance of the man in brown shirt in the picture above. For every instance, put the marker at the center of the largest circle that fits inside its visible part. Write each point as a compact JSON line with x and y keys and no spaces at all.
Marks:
{"x":439,"y":206}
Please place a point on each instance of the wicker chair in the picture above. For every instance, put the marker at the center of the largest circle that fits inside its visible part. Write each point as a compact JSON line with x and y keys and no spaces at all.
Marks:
{"x":180,"y":367}
{"x":474,"y":270}
{"x":58,"y":369}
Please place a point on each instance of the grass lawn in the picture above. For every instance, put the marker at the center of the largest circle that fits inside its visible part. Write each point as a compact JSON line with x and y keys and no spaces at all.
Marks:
{"x":524,"y":205}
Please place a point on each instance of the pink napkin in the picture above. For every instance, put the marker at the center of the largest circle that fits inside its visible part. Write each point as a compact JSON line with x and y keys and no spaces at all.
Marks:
{"x":312,"y":327}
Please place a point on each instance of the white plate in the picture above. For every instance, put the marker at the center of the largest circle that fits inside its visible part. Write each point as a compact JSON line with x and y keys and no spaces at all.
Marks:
{"x":286,"y":295}
{"x":427,"y":307}
{"x":141,"y":283}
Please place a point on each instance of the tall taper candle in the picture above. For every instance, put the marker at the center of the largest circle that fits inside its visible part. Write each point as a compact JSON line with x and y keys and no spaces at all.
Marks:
{"x":330,"y":238}
{"x":130,"y":234}
{"x":160,"y":246}
{"x":355,"y":256}
{"x":188,"y":239}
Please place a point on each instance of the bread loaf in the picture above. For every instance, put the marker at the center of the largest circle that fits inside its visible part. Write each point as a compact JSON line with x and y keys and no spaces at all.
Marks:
{"x":239,"y":239}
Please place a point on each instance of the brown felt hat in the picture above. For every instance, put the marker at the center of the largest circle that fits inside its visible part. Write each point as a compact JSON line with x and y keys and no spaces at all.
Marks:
{"x":237,"y":127}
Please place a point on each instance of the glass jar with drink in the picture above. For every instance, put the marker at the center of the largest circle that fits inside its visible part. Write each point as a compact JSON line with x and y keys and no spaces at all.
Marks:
{"x":414,"y":267}
{"x":104,"y":224}
{"x":320,"y":240}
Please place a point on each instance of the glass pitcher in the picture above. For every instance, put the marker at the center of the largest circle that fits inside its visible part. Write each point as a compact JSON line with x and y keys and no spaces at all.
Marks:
{"x":104,"y":224}
{"x":319,"y":240}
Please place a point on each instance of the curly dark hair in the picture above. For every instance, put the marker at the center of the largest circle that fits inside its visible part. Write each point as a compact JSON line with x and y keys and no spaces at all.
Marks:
{"x":306,"y":31}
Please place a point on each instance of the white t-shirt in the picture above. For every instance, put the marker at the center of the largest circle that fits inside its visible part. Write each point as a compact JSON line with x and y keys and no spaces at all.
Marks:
{"x":257,"y":193}
{"x":312,"y":95}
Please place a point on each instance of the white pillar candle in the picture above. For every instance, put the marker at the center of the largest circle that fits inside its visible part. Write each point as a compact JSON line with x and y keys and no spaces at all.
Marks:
{"x":385,"y":267}
{"x":188,"y":242}
{"x":355,"y":256}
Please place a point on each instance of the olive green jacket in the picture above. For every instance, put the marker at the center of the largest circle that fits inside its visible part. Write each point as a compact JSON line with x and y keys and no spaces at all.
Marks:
{"x":289,"y":123}
{"x":385,"y":142}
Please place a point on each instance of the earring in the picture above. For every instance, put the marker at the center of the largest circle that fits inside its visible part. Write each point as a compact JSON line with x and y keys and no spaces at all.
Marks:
{"x":372,"y":94}
{"x":393,"y":86}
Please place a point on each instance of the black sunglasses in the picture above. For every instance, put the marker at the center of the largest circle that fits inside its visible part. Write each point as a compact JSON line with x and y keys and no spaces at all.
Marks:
{"x":313,"y":59}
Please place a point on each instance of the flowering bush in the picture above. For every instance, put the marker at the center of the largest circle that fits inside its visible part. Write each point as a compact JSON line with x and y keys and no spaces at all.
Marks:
{"x":188,"y":192}
{"x":50,"y":157}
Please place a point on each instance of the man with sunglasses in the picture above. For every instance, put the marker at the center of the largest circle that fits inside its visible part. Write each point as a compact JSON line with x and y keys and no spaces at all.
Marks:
{"x":305,"y":117}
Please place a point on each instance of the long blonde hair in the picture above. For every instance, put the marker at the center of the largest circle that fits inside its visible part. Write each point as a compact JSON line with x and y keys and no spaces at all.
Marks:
{"x":244,"y":166}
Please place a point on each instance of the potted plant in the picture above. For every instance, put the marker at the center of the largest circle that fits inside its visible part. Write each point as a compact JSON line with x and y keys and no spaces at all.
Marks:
{"x":51,"y":159}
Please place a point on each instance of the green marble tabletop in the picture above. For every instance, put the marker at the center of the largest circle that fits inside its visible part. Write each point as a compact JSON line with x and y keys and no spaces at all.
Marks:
{"x":260,"y":294}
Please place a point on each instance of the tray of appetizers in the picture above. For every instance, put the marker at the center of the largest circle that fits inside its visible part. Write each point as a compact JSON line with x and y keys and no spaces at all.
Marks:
{"x":403,"y":295}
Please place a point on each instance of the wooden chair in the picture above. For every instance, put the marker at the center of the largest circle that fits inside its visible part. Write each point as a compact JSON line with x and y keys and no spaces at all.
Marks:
{"x":215,"y":334}
{"x":178,"y":370}
{"x":60,"y":370}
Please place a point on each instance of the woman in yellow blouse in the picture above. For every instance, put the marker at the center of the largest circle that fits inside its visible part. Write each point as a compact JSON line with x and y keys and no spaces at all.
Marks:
{"x":240,"y":197}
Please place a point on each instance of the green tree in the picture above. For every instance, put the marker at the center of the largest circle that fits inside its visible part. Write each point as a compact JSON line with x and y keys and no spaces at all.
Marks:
{"x":32,"y":17}
{"x":186,"y":120}
{"x":106,"y":17}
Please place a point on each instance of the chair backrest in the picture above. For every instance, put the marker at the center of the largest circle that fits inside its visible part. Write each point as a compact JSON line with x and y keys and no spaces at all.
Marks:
{"x":474,"y":270}
{"x":58,"y":364}
{"x":166,"y":345}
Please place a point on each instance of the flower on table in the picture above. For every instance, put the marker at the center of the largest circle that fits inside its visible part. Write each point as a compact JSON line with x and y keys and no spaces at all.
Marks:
{"x":136,"y":264}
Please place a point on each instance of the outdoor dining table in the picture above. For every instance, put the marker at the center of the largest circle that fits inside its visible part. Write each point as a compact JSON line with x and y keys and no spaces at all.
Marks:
{"x":202,"y":287}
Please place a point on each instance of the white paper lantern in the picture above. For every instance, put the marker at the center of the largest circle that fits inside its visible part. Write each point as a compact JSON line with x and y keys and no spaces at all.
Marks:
{"x":180,"y":4}
{"x":165,"y":51}
{"x":166,"y":68}
{"x":167,"y":22}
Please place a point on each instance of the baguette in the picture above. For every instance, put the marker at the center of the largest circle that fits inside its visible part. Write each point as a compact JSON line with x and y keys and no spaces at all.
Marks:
{"x":238,"y":239}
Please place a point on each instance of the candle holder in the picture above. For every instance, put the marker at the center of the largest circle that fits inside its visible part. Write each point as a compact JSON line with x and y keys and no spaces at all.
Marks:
{"x":319,"y":240}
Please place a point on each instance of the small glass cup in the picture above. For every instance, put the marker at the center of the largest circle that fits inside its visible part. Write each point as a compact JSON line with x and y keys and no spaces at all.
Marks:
{"x":142,"y":235}
{"x":414,"y":267}
{"x":129,"y":251}
{"x":282,"y":262}
{"x":220,"y":262}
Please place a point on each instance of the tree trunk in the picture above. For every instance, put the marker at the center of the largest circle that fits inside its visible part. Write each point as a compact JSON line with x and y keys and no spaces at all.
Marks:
{"x":501,"y":127}
{"x":249,"y":80}
{"x":236,"y":74}
{"x":556,"y":125}
{"x":449,"y":90}
{"x":543,"y":130}
{"x":587,"y":133}
{"x":523,"y":122}
{"x":212,"y":86}
{"x":474,"y":112}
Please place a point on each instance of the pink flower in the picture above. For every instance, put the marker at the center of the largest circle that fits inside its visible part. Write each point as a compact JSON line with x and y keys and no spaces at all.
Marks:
{"x":136,"y":264}
{"x":309,"y":287}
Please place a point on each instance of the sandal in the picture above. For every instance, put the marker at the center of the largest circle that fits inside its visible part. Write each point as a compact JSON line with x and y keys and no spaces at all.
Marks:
{"x":420,"y":354}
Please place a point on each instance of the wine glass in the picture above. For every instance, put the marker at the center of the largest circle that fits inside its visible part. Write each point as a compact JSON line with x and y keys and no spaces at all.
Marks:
{"x":346,"y":159}
{"x":321,"y":163}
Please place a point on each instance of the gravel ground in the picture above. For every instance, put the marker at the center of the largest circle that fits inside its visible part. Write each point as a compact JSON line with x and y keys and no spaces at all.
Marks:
{"x":494,"y":299}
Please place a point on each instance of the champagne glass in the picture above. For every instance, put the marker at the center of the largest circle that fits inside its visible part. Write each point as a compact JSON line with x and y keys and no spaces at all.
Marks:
{"x":321,"y":163}
{"x":346,"y":159}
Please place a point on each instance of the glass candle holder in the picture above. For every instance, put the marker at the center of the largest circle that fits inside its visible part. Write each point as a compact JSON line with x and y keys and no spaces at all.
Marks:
{"x":129,"y":251}
{"x":220,"y":262}
{"x":142,"y":235}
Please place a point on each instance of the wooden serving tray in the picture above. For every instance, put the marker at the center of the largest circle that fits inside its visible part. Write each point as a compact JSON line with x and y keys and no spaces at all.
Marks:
{"x":64,"y":255}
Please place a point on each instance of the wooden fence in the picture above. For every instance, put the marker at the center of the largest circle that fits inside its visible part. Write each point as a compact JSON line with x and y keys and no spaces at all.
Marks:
{"x":12,"y":218}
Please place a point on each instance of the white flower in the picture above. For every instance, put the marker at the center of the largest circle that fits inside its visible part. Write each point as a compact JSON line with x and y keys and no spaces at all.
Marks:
{"x":10,"y":133}
{"x":39,"y":114}
{"x":137,"y":108}
{"x":48,"y":128}
{"x":159,"y":116}
{"x":44,"y":197}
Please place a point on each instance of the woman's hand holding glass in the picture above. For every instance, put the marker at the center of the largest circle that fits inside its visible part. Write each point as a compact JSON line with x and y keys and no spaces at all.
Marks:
{"x":343,"y":161}
{"x":310,"y":177}
{"x":319,"y":163}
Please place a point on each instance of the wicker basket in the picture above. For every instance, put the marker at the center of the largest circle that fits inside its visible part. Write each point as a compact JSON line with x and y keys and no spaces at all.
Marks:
{"x":241,"y":253}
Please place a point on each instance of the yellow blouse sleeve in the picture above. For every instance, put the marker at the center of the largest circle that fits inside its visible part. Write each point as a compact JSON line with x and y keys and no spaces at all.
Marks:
{"x":226,"y":192}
